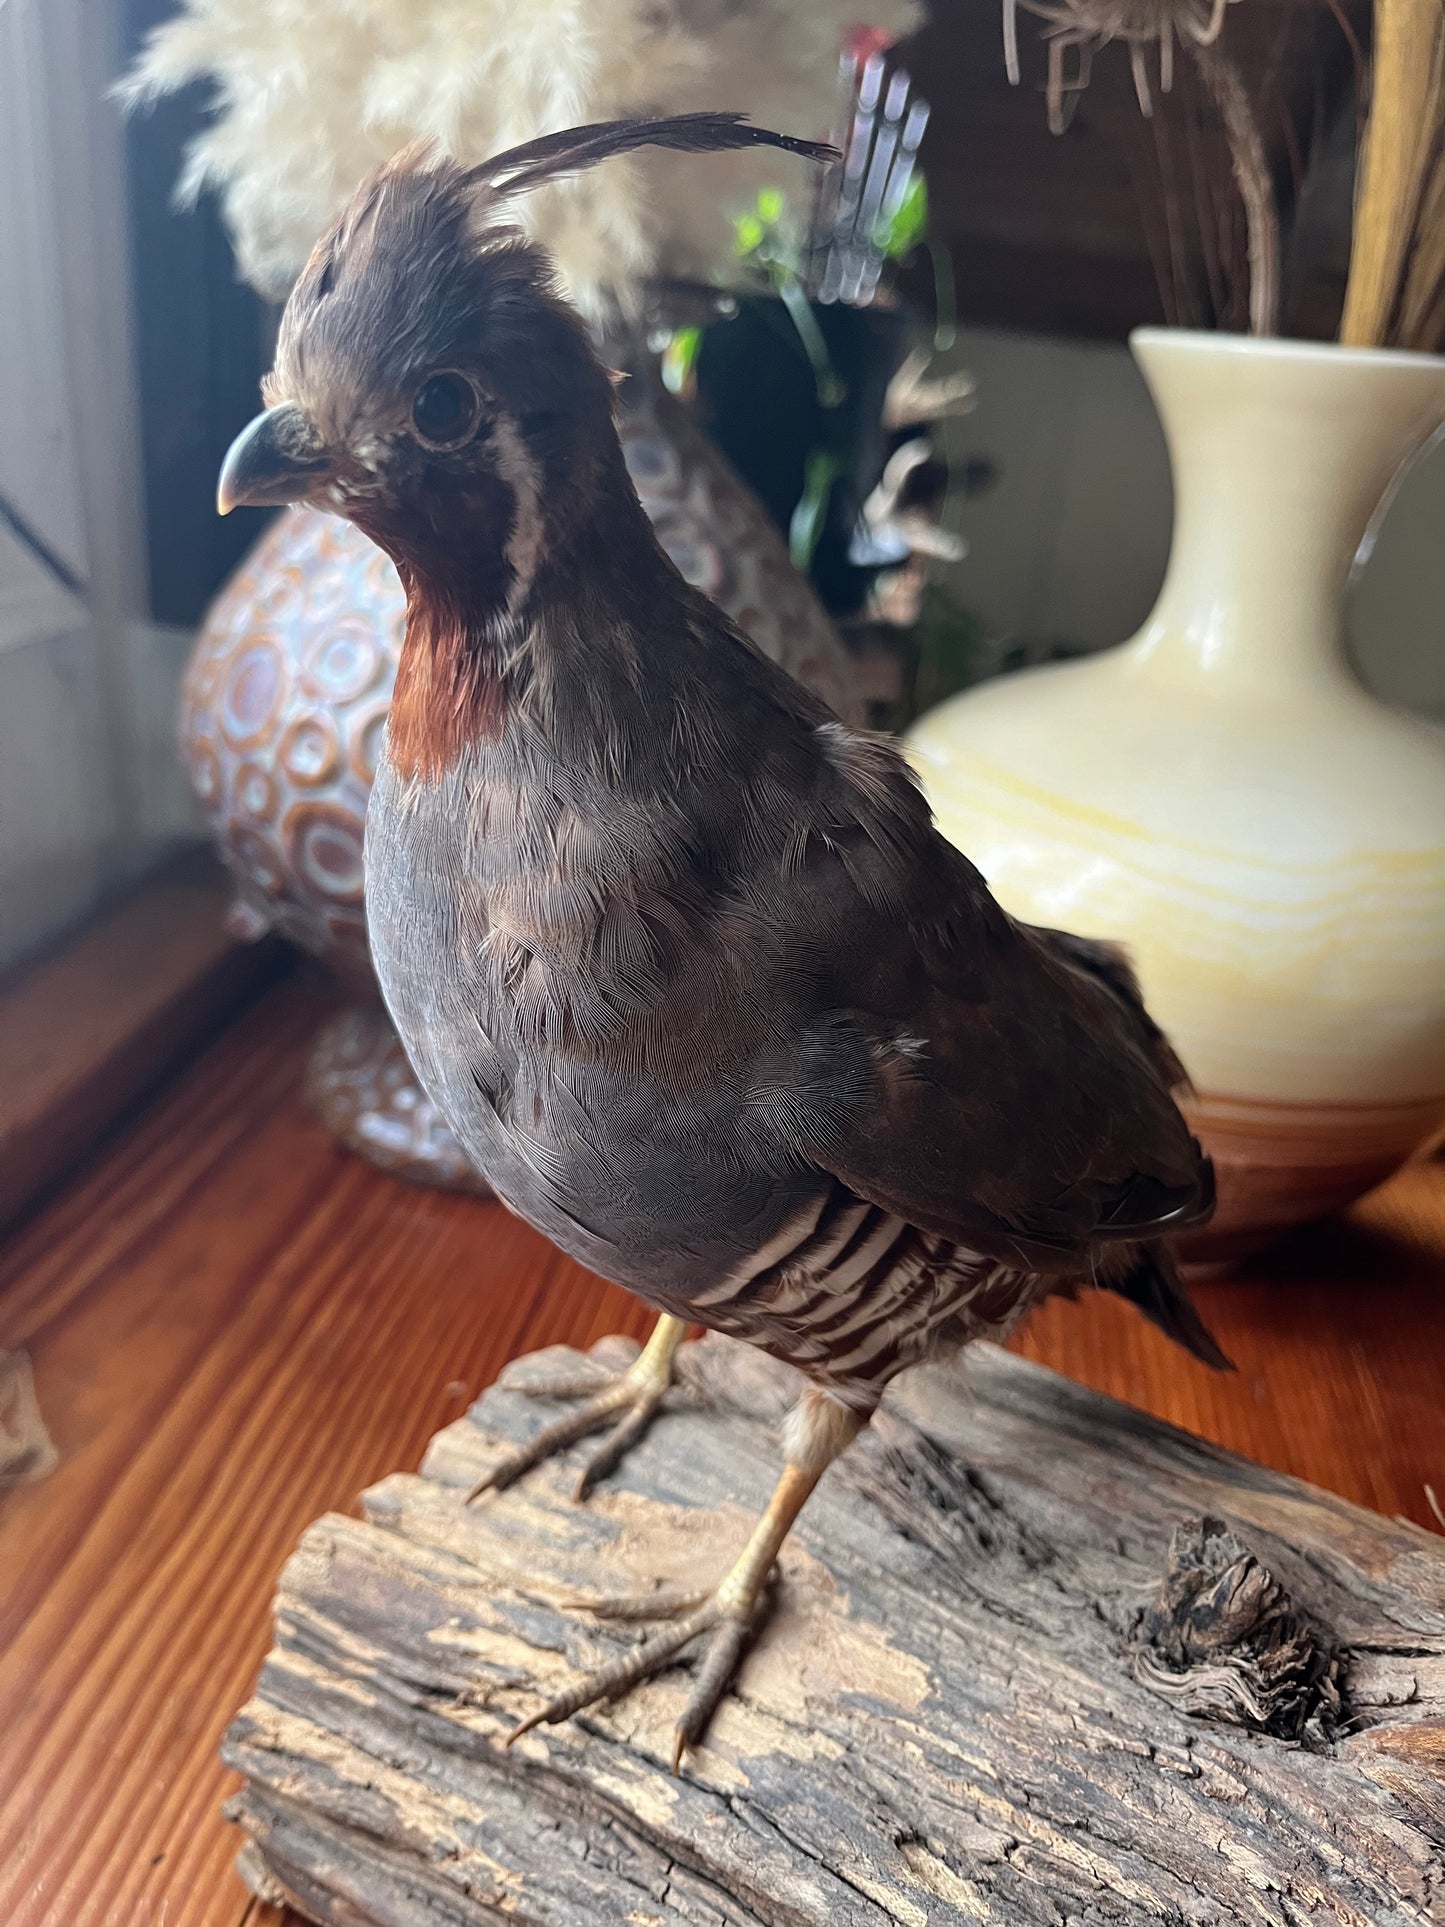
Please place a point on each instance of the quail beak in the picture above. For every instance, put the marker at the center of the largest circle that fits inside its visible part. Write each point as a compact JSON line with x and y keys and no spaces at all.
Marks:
{"x":277,"y":458}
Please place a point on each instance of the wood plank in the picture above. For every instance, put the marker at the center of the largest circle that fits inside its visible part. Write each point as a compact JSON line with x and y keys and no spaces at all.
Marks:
{"x":174,"y":1357}
{"x":235,"y":1327}
{"x":975,"y":1698}
{"x":90,"y":1027}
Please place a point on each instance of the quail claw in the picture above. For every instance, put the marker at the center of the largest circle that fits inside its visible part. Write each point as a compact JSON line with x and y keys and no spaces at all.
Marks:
{"x":731,"y":1627}
{"x":635,"y":1394}
{"x":556,"y":1437}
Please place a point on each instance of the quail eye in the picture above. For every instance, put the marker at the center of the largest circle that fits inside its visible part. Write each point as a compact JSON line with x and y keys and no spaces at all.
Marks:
{"x":445,"y":411}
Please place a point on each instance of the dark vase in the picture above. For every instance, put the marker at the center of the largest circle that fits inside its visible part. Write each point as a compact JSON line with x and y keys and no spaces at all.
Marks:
{"x":760,"y":401}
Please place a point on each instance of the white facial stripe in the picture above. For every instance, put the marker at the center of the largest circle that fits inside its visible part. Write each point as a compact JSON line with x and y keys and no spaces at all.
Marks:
{"x":519,"y":472}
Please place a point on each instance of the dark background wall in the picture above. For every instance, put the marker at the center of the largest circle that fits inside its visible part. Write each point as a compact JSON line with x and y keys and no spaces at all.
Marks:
{"x":202,"y":343}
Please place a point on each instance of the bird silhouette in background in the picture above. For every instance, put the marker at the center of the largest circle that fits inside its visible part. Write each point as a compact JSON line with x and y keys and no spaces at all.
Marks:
{"x":679,"y":956}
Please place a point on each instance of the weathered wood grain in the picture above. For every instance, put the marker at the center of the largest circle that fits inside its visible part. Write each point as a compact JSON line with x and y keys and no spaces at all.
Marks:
{"x":947,"y":1720}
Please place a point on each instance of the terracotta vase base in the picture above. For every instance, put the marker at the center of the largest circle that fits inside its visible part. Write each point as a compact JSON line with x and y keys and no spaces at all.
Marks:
{"x":1281,"y":1165}
{"x":363,"y":1089}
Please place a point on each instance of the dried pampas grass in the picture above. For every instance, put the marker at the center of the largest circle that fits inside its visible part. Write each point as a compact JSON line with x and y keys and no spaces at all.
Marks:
{"x":308,"y":98}
{"x":1085,"y":27}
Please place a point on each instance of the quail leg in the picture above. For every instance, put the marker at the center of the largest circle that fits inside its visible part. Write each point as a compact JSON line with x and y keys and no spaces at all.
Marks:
{"x":631,"y":1399}
{"x":731,"y":1615}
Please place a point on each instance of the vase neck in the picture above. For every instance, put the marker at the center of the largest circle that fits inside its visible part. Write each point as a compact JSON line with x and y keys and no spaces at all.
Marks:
{"x":1281,"y":455}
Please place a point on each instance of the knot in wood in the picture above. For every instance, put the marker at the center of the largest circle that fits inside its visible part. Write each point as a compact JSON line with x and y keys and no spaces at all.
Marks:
{"x":1225,"y":1641}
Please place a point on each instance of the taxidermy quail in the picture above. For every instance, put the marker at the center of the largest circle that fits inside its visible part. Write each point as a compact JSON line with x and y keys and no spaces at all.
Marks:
{"x":681,"y":958}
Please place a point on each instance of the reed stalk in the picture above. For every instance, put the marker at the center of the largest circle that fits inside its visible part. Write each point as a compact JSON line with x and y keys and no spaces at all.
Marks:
{"x":1399,"y":159}
{"x":1253,"y":180}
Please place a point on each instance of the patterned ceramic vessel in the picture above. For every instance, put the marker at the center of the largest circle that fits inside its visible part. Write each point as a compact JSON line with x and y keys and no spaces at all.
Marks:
{"x":285,"y":700}
{"x":1223,"y":795}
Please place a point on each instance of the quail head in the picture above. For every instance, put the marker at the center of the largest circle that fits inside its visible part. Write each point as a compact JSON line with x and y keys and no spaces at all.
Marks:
{"x":679,"y":956}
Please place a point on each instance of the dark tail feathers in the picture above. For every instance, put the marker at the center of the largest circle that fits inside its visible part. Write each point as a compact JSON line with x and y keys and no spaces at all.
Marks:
{"x":1152,"y":1282}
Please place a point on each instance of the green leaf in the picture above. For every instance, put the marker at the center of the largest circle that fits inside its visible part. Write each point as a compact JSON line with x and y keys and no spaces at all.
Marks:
{"x":748,"y":233}
{"x":807,"y":523}
{"x":770,"y":206}
{"x":679,"y":357}
{"x":945,"y":296}
{"x":831,"y":391}
{"x":901,"y":234}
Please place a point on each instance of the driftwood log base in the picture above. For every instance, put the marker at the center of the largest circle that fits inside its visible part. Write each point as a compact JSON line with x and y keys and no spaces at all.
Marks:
{"x":1035,"y":1658}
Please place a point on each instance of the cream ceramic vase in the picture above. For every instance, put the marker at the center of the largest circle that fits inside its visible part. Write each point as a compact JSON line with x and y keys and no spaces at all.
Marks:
{"x":1222,"y":794}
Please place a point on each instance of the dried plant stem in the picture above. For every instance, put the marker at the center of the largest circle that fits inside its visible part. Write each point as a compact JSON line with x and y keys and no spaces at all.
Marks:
{"x":1179,"y":304}
{"x":1422,"y":304}
{"x":1152,"y":218}
{"x":1401,"y":142}
{"x":1207,"y":216}
{"x":1252,"y":178}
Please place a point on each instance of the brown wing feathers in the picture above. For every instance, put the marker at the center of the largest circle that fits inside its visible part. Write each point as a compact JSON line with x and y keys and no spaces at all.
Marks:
{"x":1108,"y":964}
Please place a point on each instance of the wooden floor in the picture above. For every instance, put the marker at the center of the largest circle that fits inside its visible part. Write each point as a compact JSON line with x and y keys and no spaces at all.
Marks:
{"x":234,"y":1326}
